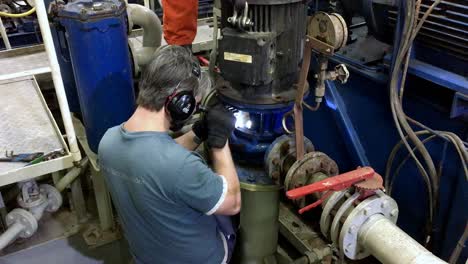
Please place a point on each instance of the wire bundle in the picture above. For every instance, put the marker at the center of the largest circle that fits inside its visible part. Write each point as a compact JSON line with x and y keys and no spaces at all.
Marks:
{"x":410,"y":28}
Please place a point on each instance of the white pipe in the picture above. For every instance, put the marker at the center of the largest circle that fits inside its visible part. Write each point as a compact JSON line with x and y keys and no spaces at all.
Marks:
{"x":38,"y":211}
{"x":152,"y":32}
{"x":57,"y":79}
{"x":71,"y":175}
{"x":391,"y":245}
{"x":10,"y":234}
{"x":6,"y":41}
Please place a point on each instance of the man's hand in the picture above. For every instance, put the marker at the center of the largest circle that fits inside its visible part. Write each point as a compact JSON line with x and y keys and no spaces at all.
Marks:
{"x":219,"y":123}
{"x":200,"y":129}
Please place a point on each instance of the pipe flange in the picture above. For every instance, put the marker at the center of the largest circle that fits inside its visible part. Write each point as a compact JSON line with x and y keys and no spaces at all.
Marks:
{"x":331,"y":203}
{"x":32,"y":202}
{"x":281,"y":154}
{"x":378,"y":204}
{"x":335,"y":227}
{"x":54,"y":197}
{"x":26,"y":219}
{"x":302,"y":171}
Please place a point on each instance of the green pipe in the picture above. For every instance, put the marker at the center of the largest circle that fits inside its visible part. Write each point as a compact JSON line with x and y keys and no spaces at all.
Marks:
{"x":258,"y":236}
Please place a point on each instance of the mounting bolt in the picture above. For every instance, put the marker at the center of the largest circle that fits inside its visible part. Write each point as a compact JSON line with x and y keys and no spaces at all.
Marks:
{"x":384,"y":204}
{"x":276,"y":161}
{"x":352,"y":229}
{"x":328,"y":50}
{"x":394,"y":213}
{"x":367,"y":211}
{"x":348,"y":247}
{"x":275,"y":175}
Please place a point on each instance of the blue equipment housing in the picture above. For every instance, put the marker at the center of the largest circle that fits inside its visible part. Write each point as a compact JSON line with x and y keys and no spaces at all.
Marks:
{"x":256,"y":127}
{"x":66,"y":68}
{"x":96,"y":35}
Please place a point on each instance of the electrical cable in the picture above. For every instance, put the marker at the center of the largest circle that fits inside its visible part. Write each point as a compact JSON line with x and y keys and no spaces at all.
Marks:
{"x":395,"y":149}
{"x":458,"y":143}
{"x":389,"y":184}
{"x":459,"y":247}
{"x":447,"y":136}
{"x":430,"y":179}
{"x":32,"y":10}
{"x":312,"y":108}
{"x":284,"y":124}
{"x":408,"y":56}
{"x":408,"y":24}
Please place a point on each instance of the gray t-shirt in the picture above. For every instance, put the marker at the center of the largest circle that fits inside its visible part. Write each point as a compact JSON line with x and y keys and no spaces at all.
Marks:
{"x":164,"y":195}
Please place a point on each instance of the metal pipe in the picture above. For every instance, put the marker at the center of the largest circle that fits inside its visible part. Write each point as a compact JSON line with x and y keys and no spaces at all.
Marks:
{"x":391,"y":245}
{"x":71,"y":175}
{"x":10,"y":234}
{"x":6,"y":41}
{"x":152,"y":32}
{"x":57,"y":79}
{"x":38,"y":211}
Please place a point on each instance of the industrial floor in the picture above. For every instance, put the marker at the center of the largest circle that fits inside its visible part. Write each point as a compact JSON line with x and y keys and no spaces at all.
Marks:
{"x":71,"y":250}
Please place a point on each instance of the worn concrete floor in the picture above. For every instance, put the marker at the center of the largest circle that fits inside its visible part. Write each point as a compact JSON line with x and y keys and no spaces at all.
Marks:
{"x":72,"y":250}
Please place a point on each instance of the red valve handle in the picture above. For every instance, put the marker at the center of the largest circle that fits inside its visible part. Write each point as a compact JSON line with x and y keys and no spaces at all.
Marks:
{"x":336,"y":183}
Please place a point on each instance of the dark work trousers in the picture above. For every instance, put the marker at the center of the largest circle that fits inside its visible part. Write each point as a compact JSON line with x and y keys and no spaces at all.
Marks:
{"x":226,"y":227}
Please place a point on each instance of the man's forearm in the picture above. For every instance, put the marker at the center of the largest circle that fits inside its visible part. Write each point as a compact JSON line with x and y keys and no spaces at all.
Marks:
{"x":187,"y":141}
{"x":224,"y":165}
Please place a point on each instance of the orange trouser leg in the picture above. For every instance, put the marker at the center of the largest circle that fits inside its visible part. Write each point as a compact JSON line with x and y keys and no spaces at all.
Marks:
{"x":180,"y":21}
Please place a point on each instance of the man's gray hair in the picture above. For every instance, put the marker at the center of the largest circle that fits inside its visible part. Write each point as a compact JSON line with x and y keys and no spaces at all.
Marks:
{"x":170,"y":68}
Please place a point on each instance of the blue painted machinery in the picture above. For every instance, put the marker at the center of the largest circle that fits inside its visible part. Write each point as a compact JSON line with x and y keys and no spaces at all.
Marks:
{"x":97,"y":39}
{"x":260,"y":57}
{"x":354,"y":126}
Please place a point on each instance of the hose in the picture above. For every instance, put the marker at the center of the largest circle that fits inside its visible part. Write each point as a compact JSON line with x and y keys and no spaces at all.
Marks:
{"x":389,"y":183}
{"x":459,"y":247}
{"x":32,"y":10}
{"x":448,"y":136}
{"x":400,"y":118}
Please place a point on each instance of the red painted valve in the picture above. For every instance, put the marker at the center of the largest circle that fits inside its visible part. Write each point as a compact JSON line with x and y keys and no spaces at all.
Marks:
{"x":332,"y":184}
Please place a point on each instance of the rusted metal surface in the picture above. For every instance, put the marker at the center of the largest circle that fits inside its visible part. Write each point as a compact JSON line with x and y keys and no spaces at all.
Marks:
{"x":282,"y":156}
{"x":301,"y":235}
{"x":321,"y":46}
{"x":328,"y":28}
{"x":298,"y":119}
{"x":302,"y":172}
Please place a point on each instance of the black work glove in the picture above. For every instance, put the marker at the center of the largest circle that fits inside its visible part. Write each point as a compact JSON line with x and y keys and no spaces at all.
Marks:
{"x":200,"y":130}
{"x":220,"y":123}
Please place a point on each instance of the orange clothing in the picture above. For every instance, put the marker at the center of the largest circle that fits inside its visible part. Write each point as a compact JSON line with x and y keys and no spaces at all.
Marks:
{"x":180,"y":21}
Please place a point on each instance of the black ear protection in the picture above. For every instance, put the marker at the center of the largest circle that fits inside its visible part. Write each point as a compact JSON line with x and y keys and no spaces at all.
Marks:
{"x":181,"y":104}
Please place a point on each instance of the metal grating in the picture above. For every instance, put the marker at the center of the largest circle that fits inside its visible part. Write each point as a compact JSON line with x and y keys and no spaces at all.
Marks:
{"x":25,"y":122}
{"x":446,"y":27}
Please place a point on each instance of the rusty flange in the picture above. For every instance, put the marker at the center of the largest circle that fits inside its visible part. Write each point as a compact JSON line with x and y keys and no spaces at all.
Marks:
{"x":281,"y":155}
{"x":302,"y":172}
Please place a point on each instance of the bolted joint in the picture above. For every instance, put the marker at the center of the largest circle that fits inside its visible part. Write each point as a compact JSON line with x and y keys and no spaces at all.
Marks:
{"x":25,"y":218}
